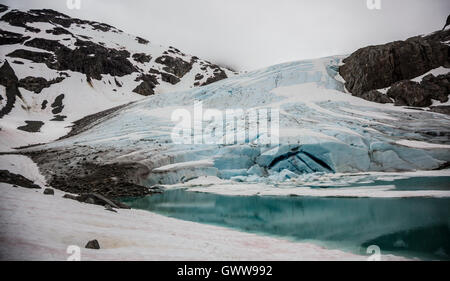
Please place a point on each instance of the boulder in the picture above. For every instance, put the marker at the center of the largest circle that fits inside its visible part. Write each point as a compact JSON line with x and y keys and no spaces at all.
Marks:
{"x":93,"y":244}
{"x":49,"y":191}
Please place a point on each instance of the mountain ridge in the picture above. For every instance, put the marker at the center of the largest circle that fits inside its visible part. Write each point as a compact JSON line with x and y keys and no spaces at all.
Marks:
{"x":68,"y":68}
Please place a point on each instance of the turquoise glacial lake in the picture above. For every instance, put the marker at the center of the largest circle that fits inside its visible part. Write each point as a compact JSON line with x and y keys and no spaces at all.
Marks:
{"x":410,"y":227}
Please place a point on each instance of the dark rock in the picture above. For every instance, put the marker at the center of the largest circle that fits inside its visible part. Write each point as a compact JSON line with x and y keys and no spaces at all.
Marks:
{"x":37,"y":84}
{"x":37,"y":57}
{"x":9,"y":38}
{"x":109,"y":208}
{"x":375,"y":96}
{"x":147,"y":86}
{"x":198,"y":76}
{"x":93,"y":244}
{"x":377,"y":67}
{"x":437,"y":86}
{"x":58,"y":118}
{"x":44,"y":104}
{"x":421,"y":94}
{"x":216,"y":77}
{"x":97,"y":199}
{"x":49,"y":191}
{"x":144,"y":89}
{"x":59,"y":31}
{"x":88,"y":58}
{"x":10,"y":81}
{"x":94,"y":60}
{"x":166,"y":77}
{"x":31,"y":126}
{"x":444,"y":109}
{"x":447,"y":23}
{"x":169,"y":78}
{"x":409,"y":93}
{"x":3,"y":8}
{"x":57,"y":105}
{"x":118,"y":84}
{"x":45,"y":44}
{"x":176,"y":66}
{"x":141,"y":57}
{"x":142,"y":40}
{"x":21,"y":19}
{"x":15,"y":179}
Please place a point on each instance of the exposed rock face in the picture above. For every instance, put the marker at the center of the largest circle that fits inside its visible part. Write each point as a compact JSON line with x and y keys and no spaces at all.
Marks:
{"x":142,"y":40}
{"x":410,"y":93}
{"x":89,"y":58}
{"x":377,"y":67}
{"x":3,"y":8}
{"x":166,"y":77}
{"x":31,"y":126}
{"x":218,"y":75}
{"x":447,"y":23}
{"x":141,"y":57}
{"x":9,"y":79}
{"x":445,"y":109}
{"x":376,"y":96}
{"x":21,"y":19}
{"x":58,"y":31}
{"x":147,"y":86}
{"x":37,"y":57}
{"x":9,"y":38}
{"x":176,"y":66}
{"x":37,"y":84}
{"x":15,"y":179}
{"x":58,"y":105}
{"x":437,"y":86}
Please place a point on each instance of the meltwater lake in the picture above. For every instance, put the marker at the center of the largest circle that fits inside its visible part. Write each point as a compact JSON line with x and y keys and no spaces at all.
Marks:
{"x":409,"y":227}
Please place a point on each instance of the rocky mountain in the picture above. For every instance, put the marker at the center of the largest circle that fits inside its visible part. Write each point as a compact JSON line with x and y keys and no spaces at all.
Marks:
{"x":56,"y":69}
{"x":407,"y":73}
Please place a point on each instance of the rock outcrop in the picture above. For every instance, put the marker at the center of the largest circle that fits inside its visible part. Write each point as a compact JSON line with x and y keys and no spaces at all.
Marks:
{"x":37,"y":84}
{"x":18,"y":180}
{"x":10,"y":81}
{"x":410,"y":93}
{"x":377,"y":67}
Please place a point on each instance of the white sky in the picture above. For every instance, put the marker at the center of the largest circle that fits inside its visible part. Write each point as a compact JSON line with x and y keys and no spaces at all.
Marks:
{"x":250,"y":34}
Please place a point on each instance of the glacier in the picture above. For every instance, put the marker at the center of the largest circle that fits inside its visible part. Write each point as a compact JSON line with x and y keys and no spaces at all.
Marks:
{"x":323,"y":129}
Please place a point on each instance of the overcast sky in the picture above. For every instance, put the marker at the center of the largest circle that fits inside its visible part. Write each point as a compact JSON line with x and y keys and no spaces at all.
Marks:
{"x":250,"y":34}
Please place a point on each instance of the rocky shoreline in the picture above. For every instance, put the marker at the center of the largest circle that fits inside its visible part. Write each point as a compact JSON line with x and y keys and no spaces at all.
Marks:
{"x":81,"y":171}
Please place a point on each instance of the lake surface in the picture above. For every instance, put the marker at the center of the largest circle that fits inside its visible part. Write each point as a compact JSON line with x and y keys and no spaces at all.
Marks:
{"x":411,"y":227}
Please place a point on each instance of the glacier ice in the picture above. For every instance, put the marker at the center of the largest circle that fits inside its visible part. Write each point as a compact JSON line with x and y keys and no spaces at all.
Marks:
{"x":322,"y":129}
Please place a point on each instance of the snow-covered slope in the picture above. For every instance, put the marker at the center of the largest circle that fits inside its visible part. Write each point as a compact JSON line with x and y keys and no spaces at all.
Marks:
{"x":35,"y":226}
{"x":62,"y":69}
{"x":322,"y":129}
